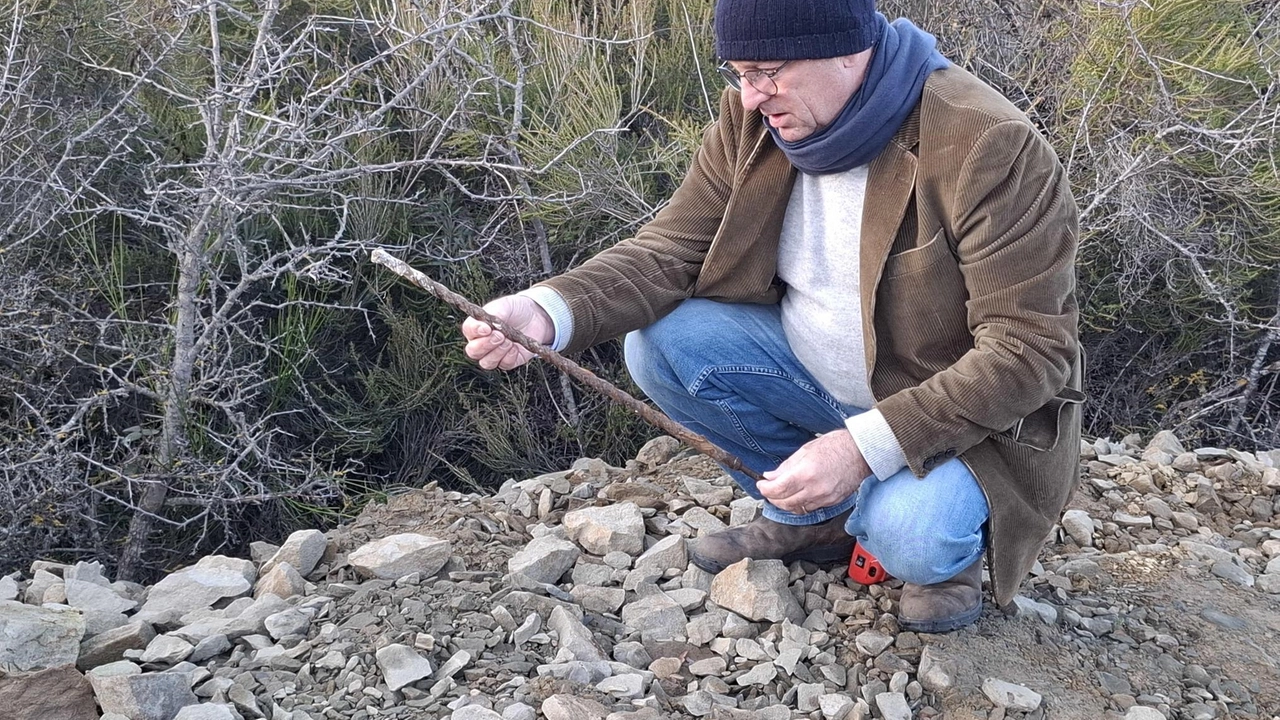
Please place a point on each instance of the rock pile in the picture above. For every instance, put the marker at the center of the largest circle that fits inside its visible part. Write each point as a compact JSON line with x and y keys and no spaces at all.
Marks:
{"x":570,"y":596}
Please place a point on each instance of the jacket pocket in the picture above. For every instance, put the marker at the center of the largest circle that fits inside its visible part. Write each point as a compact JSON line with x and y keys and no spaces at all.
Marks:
{"x":1040,"y":429}
{"x":919,"y":258}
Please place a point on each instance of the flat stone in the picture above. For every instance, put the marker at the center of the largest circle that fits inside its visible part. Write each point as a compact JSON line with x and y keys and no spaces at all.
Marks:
{"x":1124,"y":519}
{"x":1221,"y":619}
{"x":610,"y":528}
{"x":1079,"y":527}
{"x":302,"y":550}
{"x":475,"y":712}
{"x":568,"y":707}
{"x":1010,"y":695}
{"x":207,"y":711}
{"x":757,"y":590}
{"x":201,"y":585}
{"x":1138,"y":712}
{"x":1228,"y":570}
{"x":627,"y":686}
{"x":575,"y":637}
{"x":893,"y":706}
{"x":33,"y":638}
{"x":1027,"y":607}
{"x":103,"y":609}
{"x":656,"y":615}
{"x":872,"y":642}
{"x":402,"y":666}
{"x":704,"y":522}
{"x":599,"y":599}
{"x":708,"y":666}
{"x":153,"y":696}
{"x":287,"y":622}
{"x":210,"y":647}
{"x":8,"y":588}
{"x":167,"y":650}
{"x":52,"y":694}
{"x":936,"y":674}
{"x":544,"y":559}
{"x":807,"y":695}
{"x":1268,"y":583}
{"x":395,"y":556}
{"x":109,"y":646}
{"x":281,"y":580}
{"x":761,"y":674}
{"x":708,"y":494}
{"x":669,"y":552}
{"x":834,"y":705}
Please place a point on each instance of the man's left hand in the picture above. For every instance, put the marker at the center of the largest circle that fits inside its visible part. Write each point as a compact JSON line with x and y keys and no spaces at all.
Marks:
{"x":823,"y":472}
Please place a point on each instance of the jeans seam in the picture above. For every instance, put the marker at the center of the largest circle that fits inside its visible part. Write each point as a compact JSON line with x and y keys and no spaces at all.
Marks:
{"x":814,"y":390}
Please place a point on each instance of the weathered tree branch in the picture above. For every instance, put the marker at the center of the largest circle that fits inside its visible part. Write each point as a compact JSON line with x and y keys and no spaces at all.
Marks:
{"x":560,"y":362}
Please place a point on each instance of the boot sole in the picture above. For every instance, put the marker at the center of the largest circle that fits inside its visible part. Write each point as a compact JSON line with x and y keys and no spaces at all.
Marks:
{"x":825,"y":555}
{"x":942,"y":625}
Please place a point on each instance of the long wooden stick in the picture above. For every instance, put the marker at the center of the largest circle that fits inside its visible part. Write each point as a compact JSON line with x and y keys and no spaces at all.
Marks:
{"x":576,"y":371}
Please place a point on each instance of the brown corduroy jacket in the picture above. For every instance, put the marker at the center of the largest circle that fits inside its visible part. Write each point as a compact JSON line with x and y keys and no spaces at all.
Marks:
{"x":967,"y":276}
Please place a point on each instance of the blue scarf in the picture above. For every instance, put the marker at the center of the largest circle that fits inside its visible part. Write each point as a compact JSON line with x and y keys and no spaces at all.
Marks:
{"x":901,"y":61}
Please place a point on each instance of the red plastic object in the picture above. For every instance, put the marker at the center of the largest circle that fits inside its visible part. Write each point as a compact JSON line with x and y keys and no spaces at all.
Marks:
{"x":864,"y":568}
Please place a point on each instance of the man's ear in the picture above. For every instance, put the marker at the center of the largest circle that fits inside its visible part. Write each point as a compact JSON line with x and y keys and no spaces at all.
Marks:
{"x":851,"y":61}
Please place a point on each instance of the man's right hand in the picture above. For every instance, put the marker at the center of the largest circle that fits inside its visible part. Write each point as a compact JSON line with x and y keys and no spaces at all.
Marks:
{"x":491,"y":349}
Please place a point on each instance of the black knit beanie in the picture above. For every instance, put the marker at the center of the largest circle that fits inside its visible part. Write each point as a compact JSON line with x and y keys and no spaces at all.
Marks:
{"x":794,"y":29}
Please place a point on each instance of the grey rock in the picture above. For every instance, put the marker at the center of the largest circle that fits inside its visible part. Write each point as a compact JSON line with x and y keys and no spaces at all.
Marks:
{"x":109,"y":646}
{"x":32,"y":638}
{"x":1010,"y":695}
{"x":632,"y":654}
{"x":893,"y":706}
{"x":611,"y":528}
{"x":475,"y":712}
{"x":669,"y":552}
{"x":167,"y":650}
{"x":1165,"y":441}
{"x":761,"y":674}
{"x":544,"y":559}
{"x":936,"y":673}
{"x":1269,"y":583}
{"x":8,"y":588}
{"x":207,"y":711}
{"x":210,"y":647}
{"x":199,"y":586}
{"x":1124,"y":519}
{"x":702,"y":521}
{"x":1138,"y":712}
{"x":835,"y":705}
{"x":1047,"y":613}
{"x":575,"y":637}
{"x":657,"y":452}
{"x":627,"y":686}
{"x":599,"y":599}
{"x":519,"y":711}
{"x":281,"y":580}
{"x":302,"y":550}
{"x":51,"y":694}
{"x":396,"y":556}
{"x":103,"y":609}
{"x":153,"y":696}
{"x":568,"y":707}
{"x":744,"y":510}
{"x":657,"y":616}
{"x":757,"y":590}
{"x":807,"y":695}
{"x":401,"y":666}
{"x":708,"y":494}
{"x":41,"y":581}
{"x":1229,"y":570}
{"x":872,"y":642}
{"x":287,"y":622}
{"x":1079,"y":526}
{"x":1221,"y":619}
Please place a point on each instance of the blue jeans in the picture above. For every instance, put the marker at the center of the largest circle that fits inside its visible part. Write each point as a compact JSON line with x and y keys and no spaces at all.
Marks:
{"x":726,"y":371}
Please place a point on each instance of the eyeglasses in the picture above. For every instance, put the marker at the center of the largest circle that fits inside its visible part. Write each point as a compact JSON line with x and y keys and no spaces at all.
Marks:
{"x":759,"y":79}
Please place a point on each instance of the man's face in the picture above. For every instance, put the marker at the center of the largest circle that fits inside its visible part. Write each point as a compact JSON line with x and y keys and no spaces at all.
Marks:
{"x":810,"y":93}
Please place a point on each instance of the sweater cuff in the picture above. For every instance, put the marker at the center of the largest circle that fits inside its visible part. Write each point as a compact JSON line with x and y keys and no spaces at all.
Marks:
{"x":879,"y":446}
{"x":555,"y":306}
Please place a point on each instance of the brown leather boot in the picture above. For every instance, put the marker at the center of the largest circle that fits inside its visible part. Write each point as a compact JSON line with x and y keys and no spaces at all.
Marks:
{"x":763,"y":539}
{"x":945,"y":606}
